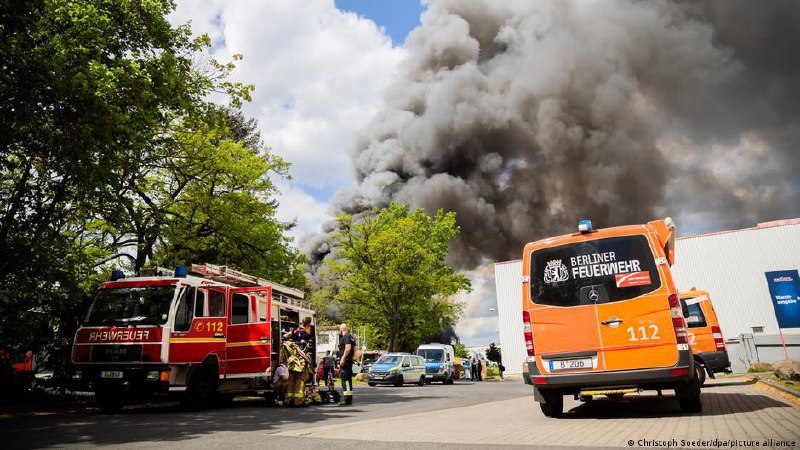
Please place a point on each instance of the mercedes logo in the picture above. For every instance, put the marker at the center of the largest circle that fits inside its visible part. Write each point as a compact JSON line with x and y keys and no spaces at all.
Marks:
{"x":594,"y":295}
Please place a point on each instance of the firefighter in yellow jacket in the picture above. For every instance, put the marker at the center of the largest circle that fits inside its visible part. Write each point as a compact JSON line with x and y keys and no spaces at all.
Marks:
{"x":300,"y":367}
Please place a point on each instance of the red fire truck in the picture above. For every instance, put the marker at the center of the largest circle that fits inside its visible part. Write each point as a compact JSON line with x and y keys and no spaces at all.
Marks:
{"x":205,"y":335}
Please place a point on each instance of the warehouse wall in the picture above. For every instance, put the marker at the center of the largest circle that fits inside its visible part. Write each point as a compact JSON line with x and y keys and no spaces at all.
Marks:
{"x":508,"y":282}
{"x":731,"y":266}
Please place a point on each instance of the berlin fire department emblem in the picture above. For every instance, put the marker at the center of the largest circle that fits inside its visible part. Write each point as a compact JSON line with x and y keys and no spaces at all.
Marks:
{"x":555,"y":272}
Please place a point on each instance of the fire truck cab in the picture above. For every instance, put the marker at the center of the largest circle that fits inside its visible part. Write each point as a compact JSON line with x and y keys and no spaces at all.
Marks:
{"x":206,"y":335}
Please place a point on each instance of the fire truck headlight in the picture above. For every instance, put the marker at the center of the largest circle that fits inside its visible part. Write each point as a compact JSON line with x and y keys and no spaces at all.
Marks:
{"x":152,"y":375}
{"x":77,"y":375}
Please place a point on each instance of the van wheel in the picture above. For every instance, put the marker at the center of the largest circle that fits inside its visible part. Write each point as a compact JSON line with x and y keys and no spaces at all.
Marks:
{"x":201,"y":390}
{"x":109,"y":400}
{"x":553,"y":405}
{"x":421,"y":381}
{"x":700,"y":370}
{"x":689,"y":395}
{"x":372,"y":384}
{"x":399,"y":381}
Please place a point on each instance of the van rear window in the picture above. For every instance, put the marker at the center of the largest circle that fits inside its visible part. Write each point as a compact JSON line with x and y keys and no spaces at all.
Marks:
{"x":696,"y":318}
{"x":596,"y":271}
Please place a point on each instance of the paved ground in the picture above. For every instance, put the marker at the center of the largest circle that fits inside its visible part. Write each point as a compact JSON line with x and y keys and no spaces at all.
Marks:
{"x":501,"y":413}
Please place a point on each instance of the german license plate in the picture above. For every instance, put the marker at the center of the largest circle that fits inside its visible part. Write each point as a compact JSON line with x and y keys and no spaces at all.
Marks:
{"x":111,"y":374}
{"x":570,"y":364}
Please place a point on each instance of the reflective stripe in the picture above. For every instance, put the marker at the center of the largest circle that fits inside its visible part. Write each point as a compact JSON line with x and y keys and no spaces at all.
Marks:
{"x":348,"y":393}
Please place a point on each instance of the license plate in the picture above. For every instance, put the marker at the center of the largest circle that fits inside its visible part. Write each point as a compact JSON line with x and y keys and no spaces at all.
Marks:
{"x":570,"y":364}
{"x":111,"y":374}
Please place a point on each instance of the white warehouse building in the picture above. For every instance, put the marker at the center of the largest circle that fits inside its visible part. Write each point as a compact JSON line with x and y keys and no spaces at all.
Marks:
{"x":730,"y":265}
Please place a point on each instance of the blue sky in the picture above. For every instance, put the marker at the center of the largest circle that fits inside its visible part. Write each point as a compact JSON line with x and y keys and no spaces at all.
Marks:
{"x":398,"y":17}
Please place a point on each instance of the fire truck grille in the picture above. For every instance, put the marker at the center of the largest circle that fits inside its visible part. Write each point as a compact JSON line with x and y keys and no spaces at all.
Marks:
{"x":116,"y":353}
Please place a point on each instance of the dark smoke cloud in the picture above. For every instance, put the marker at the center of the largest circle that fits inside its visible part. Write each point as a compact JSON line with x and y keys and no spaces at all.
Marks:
{"x":524,"y":117}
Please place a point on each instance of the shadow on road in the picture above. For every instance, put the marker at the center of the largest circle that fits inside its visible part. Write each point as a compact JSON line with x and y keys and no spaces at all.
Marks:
{"x":649,"y":406}
{"x":168,"y":422}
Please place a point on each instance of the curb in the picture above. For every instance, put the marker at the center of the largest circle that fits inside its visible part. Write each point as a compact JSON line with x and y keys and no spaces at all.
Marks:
{"x":783,"y":389}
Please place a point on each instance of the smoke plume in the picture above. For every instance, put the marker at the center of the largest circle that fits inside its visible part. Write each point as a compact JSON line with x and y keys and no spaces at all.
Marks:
{"x":524,"y":117}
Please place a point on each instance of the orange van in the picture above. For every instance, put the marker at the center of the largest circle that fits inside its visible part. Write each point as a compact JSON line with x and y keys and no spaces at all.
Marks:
{"x":705,"y":335}
{"x":601,"y":316}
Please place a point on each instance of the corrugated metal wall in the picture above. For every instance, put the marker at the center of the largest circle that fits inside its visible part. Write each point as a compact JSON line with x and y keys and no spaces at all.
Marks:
{"x":508,"y":282}
{"x":729,"y":265}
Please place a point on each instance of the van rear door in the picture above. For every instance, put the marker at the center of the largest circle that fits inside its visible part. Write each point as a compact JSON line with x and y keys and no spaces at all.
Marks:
{"x":636,"y":328}
{"x":600,"y":301}
{"x":564,"y":324}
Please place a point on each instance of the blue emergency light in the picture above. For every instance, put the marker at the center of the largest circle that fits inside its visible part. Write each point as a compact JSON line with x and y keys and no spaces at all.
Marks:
{"x":180,"y":272}
{"x":117,"y":275}
{"x":585,"y":226}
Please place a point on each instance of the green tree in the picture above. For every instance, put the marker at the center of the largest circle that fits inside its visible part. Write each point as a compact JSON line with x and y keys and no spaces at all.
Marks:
{"x":392,"y":272}
{"x":104,"y":118}
{"x":224,"y":212}
{"x":493,"y":353}
{"x":460,"y":350}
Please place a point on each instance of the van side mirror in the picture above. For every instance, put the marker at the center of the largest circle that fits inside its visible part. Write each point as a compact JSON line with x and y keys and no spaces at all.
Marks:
{"x":405,"y":364}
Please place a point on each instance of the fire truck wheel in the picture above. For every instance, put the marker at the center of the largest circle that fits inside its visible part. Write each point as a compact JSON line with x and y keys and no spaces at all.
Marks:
{"x":225,"y":400}
{"x":201,"y":390}
{"x":109,"y":400}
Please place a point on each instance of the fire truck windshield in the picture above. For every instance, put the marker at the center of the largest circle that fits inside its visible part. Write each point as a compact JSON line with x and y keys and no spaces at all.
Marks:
{"x":148,"y":305}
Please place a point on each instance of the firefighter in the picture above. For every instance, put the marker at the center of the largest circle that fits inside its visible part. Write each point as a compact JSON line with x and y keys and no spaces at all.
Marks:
{"x":303,"y":333}
{"x":347,"y":350}
{"x":299,"y":366}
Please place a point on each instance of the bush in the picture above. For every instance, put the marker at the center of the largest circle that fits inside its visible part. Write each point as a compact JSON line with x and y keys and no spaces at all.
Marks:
{"x":787,"y":369}
{"x":760,"y":367}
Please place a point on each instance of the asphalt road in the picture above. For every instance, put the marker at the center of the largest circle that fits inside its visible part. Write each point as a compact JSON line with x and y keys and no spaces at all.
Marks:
{"x":245,"y":422}
{"x":434,"y":416}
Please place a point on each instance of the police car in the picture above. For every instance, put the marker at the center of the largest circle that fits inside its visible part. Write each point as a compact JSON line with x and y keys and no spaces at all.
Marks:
{"x":397,"y":369}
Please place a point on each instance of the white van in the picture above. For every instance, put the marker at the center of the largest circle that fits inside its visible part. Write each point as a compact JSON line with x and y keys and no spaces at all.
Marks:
{"x":439,"y":362}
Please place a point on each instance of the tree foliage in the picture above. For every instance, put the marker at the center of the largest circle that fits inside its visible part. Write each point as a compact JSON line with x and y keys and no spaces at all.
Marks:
{"x":112,"y":152}
{"x":392,"y":273}
{"x":493,"y":353}
{"x":460,"y":350}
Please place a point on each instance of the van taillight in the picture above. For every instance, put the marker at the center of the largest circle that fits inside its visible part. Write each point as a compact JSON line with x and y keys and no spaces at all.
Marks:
{"x":678,"y":323}
{"x":718,"y":341}
{"x":526,"y":326}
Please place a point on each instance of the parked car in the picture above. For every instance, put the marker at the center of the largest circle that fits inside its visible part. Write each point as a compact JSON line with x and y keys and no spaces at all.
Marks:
{"x":397,"y":369}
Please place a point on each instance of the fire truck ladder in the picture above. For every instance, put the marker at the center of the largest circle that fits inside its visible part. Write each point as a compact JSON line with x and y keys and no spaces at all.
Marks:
{"x":225,"y":274}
